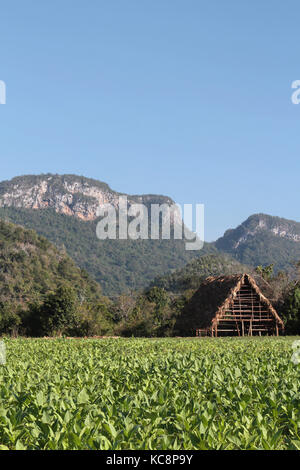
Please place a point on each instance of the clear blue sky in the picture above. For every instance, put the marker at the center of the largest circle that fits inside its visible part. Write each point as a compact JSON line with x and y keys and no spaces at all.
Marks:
{"x":191,"y":99}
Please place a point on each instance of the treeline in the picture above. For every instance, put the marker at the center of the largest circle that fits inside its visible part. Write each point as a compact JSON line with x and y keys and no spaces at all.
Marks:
{"x":152,"y":313}
{"x":62,"y":312}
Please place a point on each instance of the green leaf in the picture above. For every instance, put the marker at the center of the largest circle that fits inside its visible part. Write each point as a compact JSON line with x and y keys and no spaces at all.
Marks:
{"x":82,"y":397}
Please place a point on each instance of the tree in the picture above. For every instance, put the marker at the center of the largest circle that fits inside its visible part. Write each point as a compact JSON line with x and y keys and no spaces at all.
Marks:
{"x":9,"y":319}
{"x":140,"y":321}
{"x":265,"y":271}
{"x":160,"y":298}
{"x":58,"y":313}
{"x":96,"y":319}
{"x":291,"y":310}
{"x":123,"y":307}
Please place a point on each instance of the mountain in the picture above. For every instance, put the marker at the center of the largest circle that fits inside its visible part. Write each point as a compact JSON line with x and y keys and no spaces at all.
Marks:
{"x":67,"y":194}
{"x":63,"y":208}
{"x":263,"y":239}
{"x":31,"y":266}
{"x":190,"y":276}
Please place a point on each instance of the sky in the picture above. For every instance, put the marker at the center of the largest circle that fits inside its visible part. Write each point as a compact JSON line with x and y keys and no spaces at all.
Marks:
{"x":186,"y":98}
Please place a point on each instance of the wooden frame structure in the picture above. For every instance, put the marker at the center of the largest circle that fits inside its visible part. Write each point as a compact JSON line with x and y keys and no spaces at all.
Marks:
{"x":233,"y":306}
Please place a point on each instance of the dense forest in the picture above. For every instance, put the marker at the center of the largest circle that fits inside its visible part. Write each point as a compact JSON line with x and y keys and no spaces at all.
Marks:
{"x":117,"y":265}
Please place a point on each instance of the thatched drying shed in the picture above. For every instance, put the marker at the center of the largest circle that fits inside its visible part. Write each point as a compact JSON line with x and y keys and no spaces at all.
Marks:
{"x":229,"y":305}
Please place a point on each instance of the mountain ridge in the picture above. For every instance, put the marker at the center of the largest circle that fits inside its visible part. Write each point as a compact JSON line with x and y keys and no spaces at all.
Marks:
{"x":63,"y":209}
{"x":67,"y":194}
{"x":263,"y":239}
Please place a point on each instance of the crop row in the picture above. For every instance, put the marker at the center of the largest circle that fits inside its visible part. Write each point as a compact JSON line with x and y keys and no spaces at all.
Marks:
{"x":222,"y":393}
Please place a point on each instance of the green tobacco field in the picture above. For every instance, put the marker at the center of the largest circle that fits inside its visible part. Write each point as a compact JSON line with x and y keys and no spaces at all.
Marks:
{"x":210,"y":393}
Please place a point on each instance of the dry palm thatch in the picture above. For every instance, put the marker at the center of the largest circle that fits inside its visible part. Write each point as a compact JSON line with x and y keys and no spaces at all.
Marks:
{"x":230,"y":304}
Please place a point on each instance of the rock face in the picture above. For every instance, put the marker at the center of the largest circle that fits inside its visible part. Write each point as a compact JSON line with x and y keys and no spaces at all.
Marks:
{"x":67,"y":194}
{"x":263,"y":239}
{"x":259,"y":224}
{"x":64,"y":209}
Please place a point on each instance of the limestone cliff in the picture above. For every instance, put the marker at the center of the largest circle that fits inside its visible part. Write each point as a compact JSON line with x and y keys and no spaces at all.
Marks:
{"x":67,"y":194}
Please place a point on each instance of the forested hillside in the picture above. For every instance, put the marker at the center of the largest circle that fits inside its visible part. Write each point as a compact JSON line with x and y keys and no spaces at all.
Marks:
{"x":191,"y":275}
{"x":31,"y":267}
{"x":118,"y":265}
{"x":263,"y":239}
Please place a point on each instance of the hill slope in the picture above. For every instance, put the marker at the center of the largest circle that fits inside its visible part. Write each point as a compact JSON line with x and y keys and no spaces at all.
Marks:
{"x":263,"y":239}
{"x":64,"y":209}
{"x":31,"y":266}
{"x":118,"y":265}
{"x":191,"y":275}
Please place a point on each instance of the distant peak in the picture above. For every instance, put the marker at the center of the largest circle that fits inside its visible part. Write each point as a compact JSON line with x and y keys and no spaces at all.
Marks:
{"x":259,"y":223}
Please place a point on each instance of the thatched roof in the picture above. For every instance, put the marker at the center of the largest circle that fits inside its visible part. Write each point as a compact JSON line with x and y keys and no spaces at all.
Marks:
{"x":213,"y":298}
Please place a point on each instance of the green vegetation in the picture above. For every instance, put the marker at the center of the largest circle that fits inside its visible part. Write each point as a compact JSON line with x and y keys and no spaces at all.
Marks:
{"x":284,"y":291}
{"x":31,"y":270}
{"x":151,"y":314}
{"x":43,"y":293}
{"x":150,"y":394}
{"x":291,"y":310}
{"x":122,"y":266}
{"x":118,"y":265}
{"x":31,"y":266}
{"x":56,"y":315}
{"x":191,"y":275}
{"x":266,"y":272}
